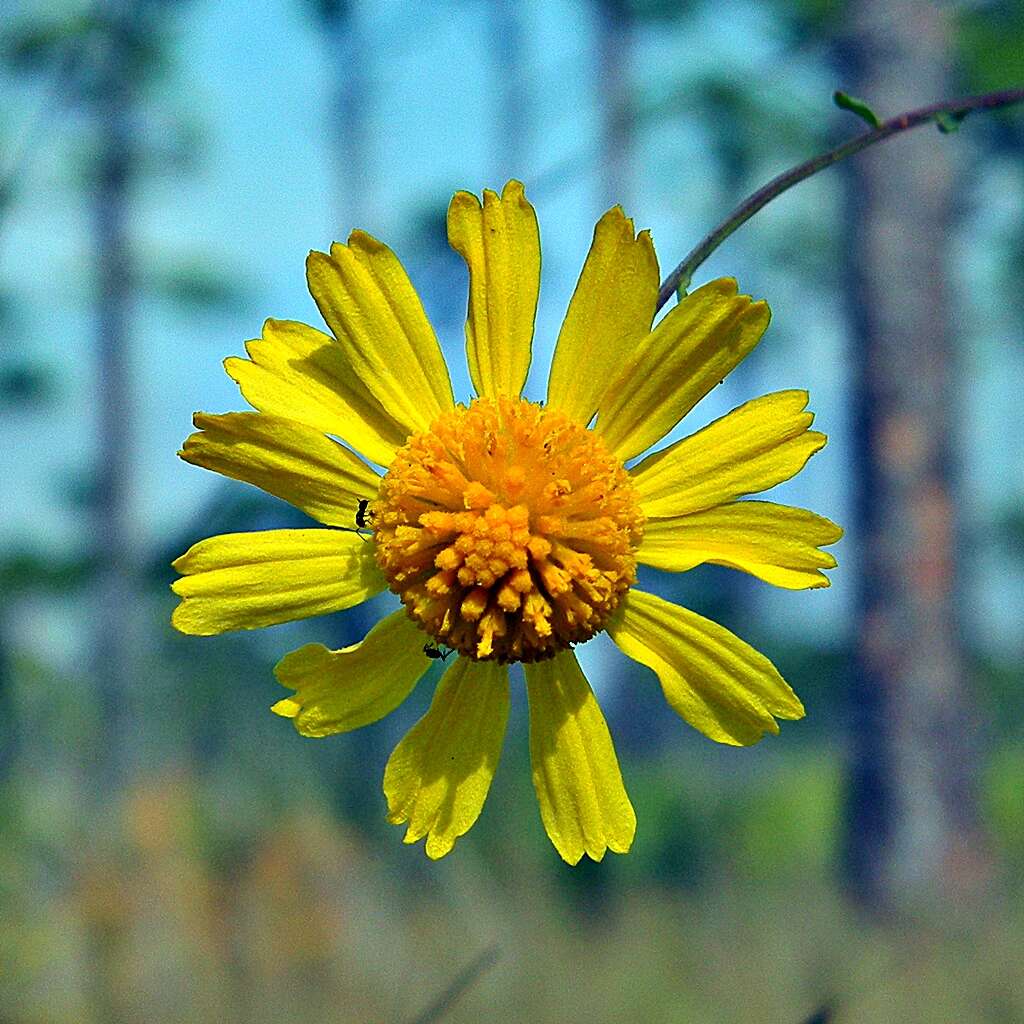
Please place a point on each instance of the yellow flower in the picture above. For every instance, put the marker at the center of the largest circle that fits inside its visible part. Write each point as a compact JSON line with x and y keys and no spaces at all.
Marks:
{"x":510,"y":530}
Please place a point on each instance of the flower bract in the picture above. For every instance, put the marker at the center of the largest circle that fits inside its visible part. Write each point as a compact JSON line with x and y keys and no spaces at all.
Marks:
{"x":510,"y":530}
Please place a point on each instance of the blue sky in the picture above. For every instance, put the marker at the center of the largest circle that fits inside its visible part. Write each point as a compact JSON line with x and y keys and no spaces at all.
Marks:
{"x":256,"y":78}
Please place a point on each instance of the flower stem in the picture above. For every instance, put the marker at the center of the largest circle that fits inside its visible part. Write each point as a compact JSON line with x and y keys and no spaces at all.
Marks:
{"x":945,"y":113}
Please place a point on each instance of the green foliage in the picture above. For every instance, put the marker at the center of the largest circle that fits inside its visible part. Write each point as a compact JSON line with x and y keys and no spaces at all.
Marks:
{"x":187,"y":880}
{"x":25,"y":384}
{"x":788,"y":826}
{"x":990,"y":38}
{"x":331,"y":12}
{"x":88,"y":52}
{"x":34,"y":572}
{"x":1010,"y":530}
{"x":195,"y":284}
{"x":35,"y":43}
{"x":998,"y":685}
{"x":812,"y":20}
{"x":948,"y":123}
{"x":846,"y":102}
{"x":750,"y":126}
{"x":1003,"y":802}
{"x":780,"y":824}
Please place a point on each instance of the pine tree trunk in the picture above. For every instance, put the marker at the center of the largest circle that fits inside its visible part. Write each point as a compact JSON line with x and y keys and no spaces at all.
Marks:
{"x":513,"y":113}
{"x":912,"y":830}
{"x":352,"y":766}
{"x":117,"y":593}
{"x":10,"y":733}
{"x":615,"y":31}
{"x":349,"y":54}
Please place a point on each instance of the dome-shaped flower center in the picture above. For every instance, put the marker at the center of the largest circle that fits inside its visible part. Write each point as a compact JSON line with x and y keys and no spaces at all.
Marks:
{"x":507,"y":530}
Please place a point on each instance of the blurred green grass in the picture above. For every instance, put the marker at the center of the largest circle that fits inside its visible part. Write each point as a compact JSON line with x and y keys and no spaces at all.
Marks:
{"x":190,"y":896}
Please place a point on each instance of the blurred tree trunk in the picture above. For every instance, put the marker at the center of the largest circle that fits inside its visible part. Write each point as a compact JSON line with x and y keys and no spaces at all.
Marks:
{"x":9,"y":711}
{"x":615,"y":46}
{"x":349,"y":56}
{"x":115,"y":635}
{"x":352,"y":765}
{"x":513,"y":114}
{"x":912,"y":829}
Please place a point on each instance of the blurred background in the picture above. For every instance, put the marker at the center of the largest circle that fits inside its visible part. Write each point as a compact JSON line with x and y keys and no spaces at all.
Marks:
{"x":172,"y":851}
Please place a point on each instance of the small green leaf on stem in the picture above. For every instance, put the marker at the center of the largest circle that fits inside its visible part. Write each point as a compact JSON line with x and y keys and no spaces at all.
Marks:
{"x":947,"y":123}
{"x":856,"y":106}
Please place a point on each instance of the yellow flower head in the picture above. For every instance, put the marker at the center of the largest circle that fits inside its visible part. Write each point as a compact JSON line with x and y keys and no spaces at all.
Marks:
{"x":510,"y":530}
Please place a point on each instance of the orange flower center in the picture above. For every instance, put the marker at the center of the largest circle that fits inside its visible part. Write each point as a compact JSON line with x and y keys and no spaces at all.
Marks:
{"x":508,"y":531}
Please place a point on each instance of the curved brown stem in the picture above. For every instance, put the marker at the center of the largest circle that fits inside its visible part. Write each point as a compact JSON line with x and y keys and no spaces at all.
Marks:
{"x":938,"y":112}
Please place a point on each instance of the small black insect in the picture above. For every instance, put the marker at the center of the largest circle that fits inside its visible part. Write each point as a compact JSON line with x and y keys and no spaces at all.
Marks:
{"x":364,"y":515}
{"x":435,"y":652}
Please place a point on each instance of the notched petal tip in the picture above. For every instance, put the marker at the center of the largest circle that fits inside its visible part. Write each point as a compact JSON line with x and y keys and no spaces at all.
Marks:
{"x":462,"y":201}
{"x":200,"y":419}
{"x":583,"y":801}
{"x":437,"y":846}
{"x":572,"y":854}
{"x":572,"y":857}
{"x":343,"y":690}
{"x":614,"y":218}
{"x":180,"y":565}
{"x":438,"y":776}
{"x":801,"y":396}
{"x":513,"y":188}
{"x":286,"y":708}
{"x":230,"y":363}
{"x":271,"y":325}
{"x":818,"y":439}
{"x":365,"y":242}
{"x":830,"y":534}
{"x":616,"y":212}
{"x":316,"y":260}
{"x":759,"y":310}
{"x":727,"y":287}
{"x":287,"y":667}
{"x":615,"y":222}
{"x":713,"y":680}
{"x":793,"y":713}
{"x":183,"y":619}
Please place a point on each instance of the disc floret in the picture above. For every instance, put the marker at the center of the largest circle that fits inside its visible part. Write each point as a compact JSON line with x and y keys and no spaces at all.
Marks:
{"x":508,"y":531}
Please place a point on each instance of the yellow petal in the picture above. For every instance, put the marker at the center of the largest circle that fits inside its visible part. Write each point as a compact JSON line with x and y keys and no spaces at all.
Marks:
{"x":711,"y":678}
{"x":300,"y":373}
{"x":500,"y":243}
{"x":251,"y":580}
{"x":750,"y":449}
{"x":777,"y":543}
{"x":688,"y":353}
{"x":438,"y":776}
{"x":583,"y":802}
{"x":367,"y":300}
{"x":284,"y":458}
{"x":337,"y":691}
{"x":610,"y":312}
